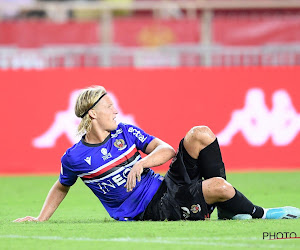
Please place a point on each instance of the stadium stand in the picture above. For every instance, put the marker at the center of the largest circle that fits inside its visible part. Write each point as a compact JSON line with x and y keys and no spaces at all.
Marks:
{"x":141,"y":33}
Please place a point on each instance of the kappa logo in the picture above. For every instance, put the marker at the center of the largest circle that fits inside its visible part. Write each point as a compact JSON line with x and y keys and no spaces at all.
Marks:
{"x":185,"y":212}
{"x":65,"y":123}
{"x":88,"y":160}
{"x":120,"y":144}
{"x":257,"y":123}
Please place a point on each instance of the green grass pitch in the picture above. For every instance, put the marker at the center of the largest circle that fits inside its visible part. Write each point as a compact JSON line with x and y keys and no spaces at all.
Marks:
{"x":82,"y":223}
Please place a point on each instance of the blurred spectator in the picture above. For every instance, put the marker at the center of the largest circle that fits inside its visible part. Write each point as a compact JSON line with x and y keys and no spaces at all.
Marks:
{"x":95,"y":14}
{"x":11,"y":8}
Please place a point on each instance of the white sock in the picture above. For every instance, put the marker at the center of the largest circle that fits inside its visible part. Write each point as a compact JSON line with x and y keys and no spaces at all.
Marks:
{"x":265,"y":213}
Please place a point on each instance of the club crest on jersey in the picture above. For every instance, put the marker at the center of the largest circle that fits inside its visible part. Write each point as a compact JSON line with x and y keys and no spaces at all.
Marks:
{"x":195,"y":208}
{"x":105,"y":154}
{"x":120,"y":144}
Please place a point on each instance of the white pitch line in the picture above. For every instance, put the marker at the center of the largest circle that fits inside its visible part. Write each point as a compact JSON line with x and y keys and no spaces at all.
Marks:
{"x":206,"y":241}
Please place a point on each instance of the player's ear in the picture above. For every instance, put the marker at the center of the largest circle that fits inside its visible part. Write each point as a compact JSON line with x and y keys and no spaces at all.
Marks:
{"x":92,"y":113}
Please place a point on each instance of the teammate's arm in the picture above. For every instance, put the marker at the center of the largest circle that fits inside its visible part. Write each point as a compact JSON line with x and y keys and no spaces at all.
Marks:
{"x":55,"y":196}
{"x":158,"y":152}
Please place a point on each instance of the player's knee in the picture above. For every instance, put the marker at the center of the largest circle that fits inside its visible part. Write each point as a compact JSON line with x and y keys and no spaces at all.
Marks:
{"x":222,"y":189}
{"x":202,"y":134}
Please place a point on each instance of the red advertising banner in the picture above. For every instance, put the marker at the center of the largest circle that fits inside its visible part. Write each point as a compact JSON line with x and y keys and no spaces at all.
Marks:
{"x":256,"y":29}
{"x":149,"y":32}
{"x":233,"y":29}
{"x":255,"y":112}
{"x":134,"y":31}
{"x":37,"y":33}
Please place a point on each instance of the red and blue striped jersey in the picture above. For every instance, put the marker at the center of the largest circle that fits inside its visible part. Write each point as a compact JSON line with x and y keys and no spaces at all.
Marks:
{"x":104,"y":168}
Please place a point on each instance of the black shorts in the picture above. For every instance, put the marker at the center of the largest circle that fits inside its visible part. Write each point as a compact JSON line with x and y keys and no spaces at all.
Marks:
{"x":180,"y":196}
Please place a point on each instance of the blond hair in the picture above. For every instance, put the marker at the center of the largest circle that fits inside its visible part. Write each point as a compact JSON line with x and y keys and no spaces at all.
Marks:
{"x":84,"y":102}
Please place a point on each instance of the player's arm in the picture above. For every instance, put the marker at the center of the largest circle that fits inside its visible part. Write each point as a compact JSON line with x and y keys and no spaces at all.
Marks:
{"x":158,"y":152}
{"x":55,"y":196}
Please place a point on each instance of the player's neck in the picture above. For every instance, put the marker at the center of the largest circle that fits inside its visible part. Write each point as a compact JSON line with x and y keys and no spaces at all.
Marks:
{"x":95,"y":137}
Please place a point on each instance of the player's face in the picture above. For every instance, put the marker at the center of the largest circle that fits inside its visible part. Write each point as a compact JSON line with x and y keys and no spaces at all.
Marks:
{"x":106,"y":114}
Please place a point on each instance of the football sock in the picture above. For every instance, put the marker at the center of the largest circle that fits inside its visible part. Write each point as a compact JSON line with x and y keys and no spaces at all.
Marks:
{"x":265,"y":213}
{"x":210,"y":161}
{"x":239,"y":204}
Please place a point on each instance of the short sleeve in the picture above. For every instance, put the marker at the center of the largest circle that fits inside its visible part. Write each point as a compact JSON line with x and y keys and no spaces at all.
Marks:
{"x":67,"y":177}
{"x":139,"y":136}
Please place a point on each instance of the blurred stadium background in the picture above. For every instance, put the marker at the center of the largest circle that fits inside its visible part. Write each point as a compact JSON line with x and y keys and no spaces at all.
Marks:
{"x":230,"y":64}
{"x":142,"y":33}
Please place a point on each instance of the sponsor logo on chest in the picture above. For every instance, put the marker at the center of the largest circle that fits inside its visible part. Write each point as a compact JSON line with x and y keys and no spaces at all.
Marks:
{"x":106,"y":155}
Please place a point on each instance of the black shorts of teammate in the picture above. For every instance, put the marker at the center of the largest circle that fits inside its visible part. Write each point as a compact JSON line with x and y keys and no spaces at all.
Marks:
{"x":180,"y":196}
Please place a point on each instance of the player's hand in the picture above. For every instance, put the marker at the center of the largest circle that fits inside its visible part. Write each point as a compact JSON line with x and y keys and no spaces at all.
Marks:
{"x":133,"y":176}
{"x":27,"y":218}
